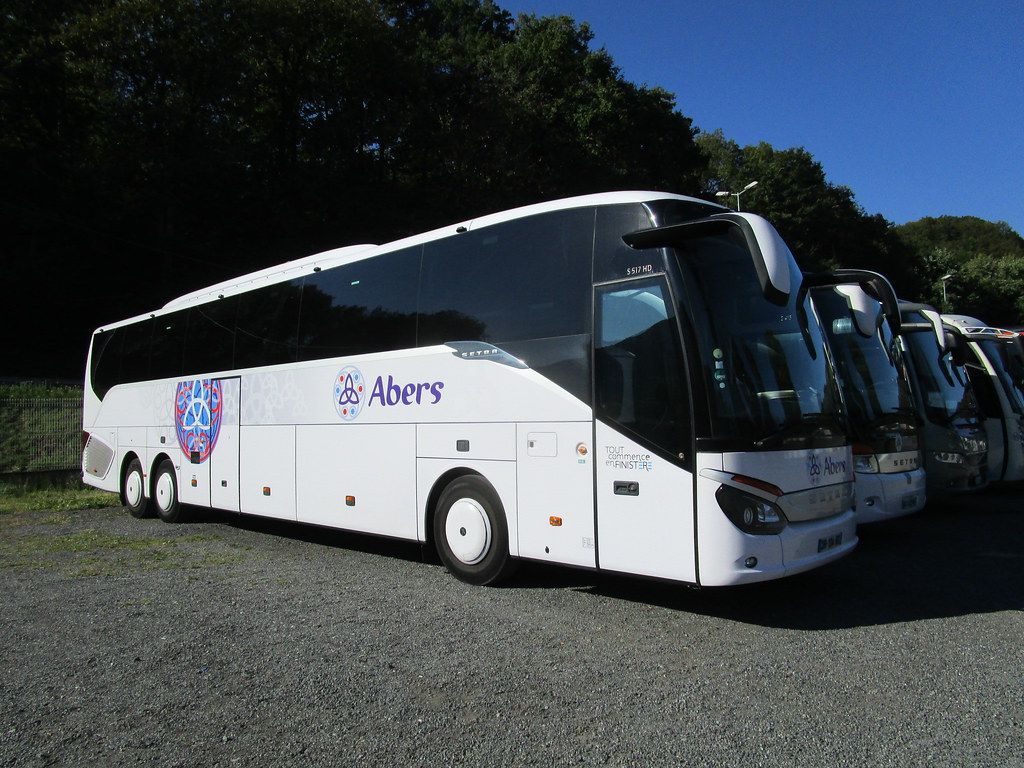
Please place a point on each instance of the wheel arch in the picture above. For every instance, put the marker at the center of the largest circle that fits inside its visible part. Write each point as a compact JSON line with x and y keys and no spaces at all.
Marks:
{"x":127,"y":459}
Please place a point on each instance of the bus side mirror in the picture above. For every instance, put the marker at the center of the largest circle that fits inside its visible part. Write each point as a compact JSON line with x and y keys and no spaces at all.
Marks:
{"x":865,"y":311}
{"x":877,"y":289}
{"x":772,"y":259}
{"x":958,"y":349}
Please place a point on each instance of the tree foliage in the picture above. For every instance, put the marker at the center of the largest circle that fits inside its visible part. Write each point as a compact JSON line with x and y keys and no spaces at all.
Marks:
{"x":822,"y":223}
{"x":985,"y":261}
{"x":149,"y":147}
{"x":153,"y":146}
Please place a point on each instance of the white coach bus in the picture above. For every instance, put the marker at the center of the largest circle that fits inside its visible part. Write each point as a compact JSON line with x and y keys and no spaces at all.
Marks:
{"x":862,"y":332}
{"x":630,"y":382}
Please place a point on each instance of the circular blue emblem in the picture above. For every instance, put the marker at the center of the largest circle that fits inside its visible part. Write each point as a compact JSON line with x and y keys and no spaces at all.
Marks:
{"x":349,"y":392}
{"x":198,"y":409}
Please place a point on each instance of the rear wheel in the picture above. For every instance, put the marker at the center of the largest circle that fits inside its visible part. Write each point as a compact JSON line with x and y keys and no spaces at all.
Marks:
{"x":132,"y":491}
{"x":470,"y":532}
{"x":165,"y":493}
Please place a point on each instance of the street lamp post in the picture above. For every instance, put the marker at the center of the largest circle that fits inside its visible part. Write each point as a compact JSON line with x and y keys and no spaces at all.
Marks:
{"x":943,"y":279}
{"x":726,"y":193}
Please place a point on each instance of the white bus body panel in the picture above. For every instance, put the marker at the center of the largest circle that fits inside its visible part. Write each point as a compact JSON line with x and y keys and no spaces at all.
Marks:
{"x":650,"y":533}
{"x":193,"y":479}
{"x":373,"y":463}
{"x":887,"y":495}
{"x":224,"y":460}
{"x":303,"y":393}
{"x":495,"y":442}
{"x":555,"y":478}
{"x":794,"y":470}
{"x":127,"y":420}
{"x":267,"y":476}
{"x":801,"y":545}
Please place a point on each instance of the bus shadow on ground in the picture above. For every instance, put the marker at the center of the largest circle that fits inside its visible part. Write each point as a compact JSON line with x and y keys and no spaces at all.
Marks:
{"x":962,"y":557}
{"x":399,"y":549}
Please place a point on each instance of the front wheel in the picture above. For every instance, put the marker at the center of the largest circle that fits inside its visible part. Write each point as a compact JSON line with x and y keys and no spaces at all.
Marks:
{"x":165,"y":493}
{"x":470,"y":532}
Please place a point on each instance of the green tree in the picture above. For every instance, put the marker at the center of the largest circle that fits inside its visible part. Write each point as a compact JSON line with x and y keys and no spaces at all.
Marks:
{"x":821,"y":221}
{"x":986,"y":260}
{"x":150,"y":147}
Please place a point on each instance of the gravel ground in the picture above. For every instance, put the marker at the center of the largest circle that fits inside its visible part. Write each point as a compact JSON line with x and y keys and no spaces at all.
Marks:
{"x":256,"y":643}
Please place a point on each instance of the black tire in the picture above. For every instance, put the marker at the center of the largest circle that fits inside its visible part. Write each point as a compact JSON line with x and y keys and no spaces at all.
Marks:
{"x":132,"y":491}
{"x":481,"y":553}
{"x":165,"y":493}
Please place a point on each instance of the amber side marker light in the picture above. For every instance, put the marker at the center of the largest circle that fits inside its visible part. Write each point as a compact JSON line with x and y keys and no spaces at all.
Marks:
{"x":350,"y":501}
{"x":555,"y":521}
{"x":761,"y":485}
{"x":266,"y":490}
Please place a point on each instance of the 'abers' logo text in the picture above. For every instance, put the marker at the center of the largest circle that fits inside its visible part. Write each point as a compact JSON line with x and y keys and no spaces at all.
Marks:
{"x":350,"y":393}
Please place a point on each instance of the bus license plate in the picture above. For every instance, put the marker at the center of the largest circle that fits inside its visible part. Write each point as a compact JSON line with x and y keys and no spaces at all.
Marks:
{"x":909,"y":501}
{"x":830,"y":542}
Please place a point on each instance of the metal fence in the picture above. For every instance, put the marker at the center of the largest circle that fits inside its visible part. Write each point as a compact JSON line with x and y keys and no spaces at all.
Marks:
{"x":39,"y":434}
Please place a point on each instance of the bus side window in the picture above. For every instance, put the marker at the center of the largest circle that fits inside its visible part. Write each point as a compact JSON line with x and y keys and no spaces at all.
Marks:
{"x":639,"y":377}
{"x":527,"y":279}
{"x":362,"y":307}
{"x":613,"y":259}
{"x":984,"y":391}
{"x":210,"y":338}
{"x":168,"y":345}
{"x":106,"y":360}
{"x":267,"y":325}
{"x":135,"y":352}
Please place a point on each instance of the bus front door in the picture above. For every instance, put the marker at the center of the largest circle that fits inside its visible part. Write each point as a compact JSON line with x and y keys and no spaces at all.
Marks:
{"x":642,"y":434}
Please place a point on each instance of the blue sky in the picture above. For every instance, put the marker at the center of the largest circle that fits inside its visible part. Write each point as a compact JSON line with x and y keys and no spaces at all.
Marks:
{"x":917,"y":107}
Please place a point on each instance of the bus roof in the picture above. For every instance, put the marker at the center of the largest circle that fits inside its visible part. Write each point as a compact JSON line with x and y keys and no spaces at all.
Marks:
{"x":333,"y":257}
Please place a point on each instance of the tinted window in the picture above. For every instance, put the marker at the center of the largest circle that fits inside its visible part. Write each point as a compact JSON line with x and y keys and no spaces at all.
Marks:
{"x":135,"y":352}
{"x":368,"y":306}
{"x":766,"y":375}
{"x":943,"y":386}
{"x":639,"y":376}
{"x":106,"y":360}
{"x":168,"y":345}
{"x":524,"y":279}
{"x":267,"y":325}
{"x":210,"y":339}
{"x":612,"y":257}
{"x":984,"y":391}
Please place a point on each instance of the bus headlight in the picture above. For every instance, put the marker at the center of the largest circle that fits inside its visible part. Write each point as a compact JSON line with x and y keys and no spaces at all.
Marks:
{"x":749,"y":513}
{"x":865,"y":463}
{"x":948,"y":457}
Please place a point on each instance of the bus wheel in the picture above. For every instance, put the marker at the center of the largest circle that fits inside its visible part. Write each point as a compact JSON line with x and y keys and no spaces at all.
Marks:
{"x":132,"y":491}
{"x":165,"y":493}
{"x":470,"y":532}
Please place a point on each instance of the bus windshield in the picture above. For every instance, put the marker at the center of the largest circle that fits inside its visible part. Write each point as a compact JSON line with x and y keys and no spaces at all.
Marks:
{"x":769,"y":382}
{"x":875,"y":391}
{"x":945,"y":391}
{"x":998,"y":354}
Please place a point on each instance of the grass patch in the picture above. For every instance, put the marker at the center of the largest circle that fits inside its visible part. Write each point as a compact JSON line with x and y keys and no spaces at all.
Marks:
{"x":94,"y":552}
{"x":15,"y":499}
{"x":41,"y":389}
